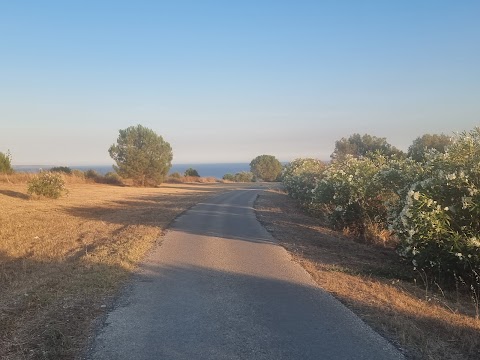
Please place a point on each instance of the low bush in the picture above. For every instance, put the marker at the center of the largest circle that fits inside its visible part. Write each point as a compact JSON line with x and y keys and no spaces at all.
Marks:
{"x":92,"y":175}
{"x":175,"y":175}
{"x":47,"y":184}
{"x":61,"y":169}
{"x":6,"y":163}
{"x":244,"y":176}
{"x":112,"y":178}
{"x":190,"y":172}
{"x":229,"y":177}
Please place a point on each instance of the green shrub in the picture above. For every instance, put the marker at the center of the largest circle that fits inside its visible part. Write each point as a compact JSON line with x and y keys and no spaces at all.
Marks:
{"x":191,"y":172}
{"x":243,"y":176}
{"x":92,"y":175}
{"x":47,"y":184}
{"x":175,"y":175}
{"x":61,"y":169}
{"x":266,"y":168}
{"x":229,"y":177}
{"x":112,"y":178}
{"x":6,"y":163}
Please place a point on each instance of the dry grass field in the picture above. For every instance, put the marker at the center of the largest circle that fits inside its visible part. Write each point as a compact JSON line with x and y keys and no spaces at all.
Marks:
{"x":425,"y":323}
{"x":62,"y":261}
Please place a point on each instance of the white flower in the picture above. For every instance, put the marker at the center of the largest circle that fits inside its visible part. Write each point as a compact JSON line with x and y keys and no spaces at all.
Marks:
{"x":466,"y":202}
{"x":452,"y":176}
{"x":474,"y":242}
{"x":416,"y":195}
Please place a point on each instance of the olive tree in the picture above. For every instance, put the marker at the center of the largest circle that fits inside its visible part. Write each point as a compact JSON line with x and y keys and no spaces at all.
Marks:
{"x":360,"y":145}
{"x":142,"y":155}
{"x":266,"y":167}
{"x":421,"y":145}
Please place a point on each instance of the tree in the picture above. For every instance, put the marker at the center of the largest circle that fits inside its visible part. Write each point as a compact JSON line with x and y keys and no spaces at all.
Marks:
{"x":141,"y":155}
{"x":192,"y":172}
{"x":266,"y":167}
{"x":422,"y":144}
{"x":360,"y":145}
{"x":6,"y":163}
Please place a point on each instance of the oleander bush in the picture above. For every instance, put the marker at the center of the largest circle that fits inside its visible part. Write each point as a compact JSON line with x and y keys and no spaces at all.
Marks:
{"x":300,"y":177}
{"x":439,"y":224}
{"x":430,"y":208}
{"x":47,"y":184}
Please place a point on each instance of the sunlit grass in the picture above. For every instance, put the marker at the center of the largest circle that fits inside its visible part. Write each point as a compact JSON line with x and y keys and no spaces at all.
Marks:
{"x":62,"y":260}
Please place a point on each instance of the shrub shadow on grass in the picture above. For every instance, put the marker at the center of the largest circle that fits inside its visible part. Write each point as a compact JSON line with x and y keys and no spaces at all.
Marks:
{"x":15,"y":194}
{"x":145,"y":210}
{"x":48,"y":308}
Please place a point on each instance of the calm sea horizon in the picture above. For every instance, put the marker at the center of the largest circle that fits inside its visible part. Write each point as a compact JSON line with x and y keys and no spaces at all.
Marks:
{"x":216,"y":170}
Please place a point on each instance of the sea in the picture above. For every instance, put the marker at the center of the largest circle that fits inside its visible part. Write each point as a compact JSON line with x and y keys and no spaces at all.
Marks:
{"x":216,"y":170}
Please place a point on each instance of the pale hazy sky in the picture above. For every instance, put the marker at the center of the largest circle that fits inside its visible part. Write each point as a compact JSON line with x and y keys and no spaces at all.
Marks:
{"x":225,"y":81}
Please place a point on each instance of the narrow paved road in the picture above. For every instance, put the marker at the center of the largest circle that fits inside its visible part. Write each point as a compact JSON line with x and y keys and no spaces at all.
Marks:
{"x":219,"y":287}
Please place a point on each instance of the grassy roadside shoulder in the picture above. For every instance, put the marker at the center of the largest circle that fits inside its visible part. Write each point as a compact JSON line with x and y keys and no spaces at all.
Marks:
{"x":424,"y":323}
{"x":62,"y":261}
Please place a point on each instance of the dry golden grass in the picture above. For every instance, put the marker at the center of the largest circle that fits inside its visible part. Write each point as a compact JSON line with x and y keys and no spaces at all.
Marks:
{"x":192,"y":179}
{"x":62,"y":260}
{"x":376,"y":286}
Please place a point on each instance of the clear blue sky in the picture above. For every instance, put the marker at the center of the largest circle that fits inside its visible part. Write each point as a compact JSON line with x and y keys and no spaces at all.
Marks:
{"x":225,"y":81}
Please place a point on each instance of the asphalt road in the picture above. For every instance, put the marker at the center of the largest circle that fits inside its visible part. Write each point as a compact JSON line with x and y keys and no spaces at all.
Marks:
{"x":219,"y":287}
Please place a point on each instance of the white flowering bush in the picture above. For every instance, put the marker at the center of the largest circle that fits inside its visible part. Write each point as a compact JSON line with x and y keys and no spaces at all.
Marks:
{"x":352,"y":194}
{"x":432,"y":207}
{"x":439,"y":224}
{"x":300,"y":177}
{"x":47,"y":184}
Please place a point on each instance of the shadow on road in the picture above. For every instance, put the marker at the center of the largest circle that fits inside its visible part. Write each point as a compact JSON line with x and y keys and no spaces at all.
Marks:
{"x":190,"y":312}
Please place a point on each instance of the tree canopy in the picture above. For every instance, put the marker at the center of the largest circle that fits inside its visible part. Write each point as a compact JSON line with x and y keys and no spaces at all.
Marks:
{"x":360,"y":145}
{"x":141,"y":155}
{"x":266,"y":167}
{"x":192,"y":172}
{"x":422,"y":144}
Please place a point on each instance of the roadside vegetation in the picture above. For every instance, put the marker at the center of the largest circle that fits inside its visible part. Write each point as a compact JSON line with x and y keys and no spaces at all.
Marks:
{"x":142,"y":156}
{"x":423,"y":205}
{"x":266,"y":168}
{"x":423,"y":321}
{"x":244,"y":176}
